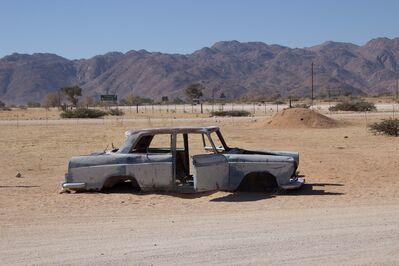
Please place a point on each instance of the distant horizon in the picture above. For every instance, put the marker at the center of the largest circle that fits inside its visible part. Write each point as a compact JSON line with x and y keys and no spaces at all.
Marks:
{"x":82,"y":29}
{"x":209,"y":46}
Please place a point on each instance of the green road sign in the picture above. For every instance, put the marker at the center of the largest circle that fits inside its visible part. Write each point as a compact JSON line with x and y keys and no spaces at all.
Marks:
{"x":109,"y":98}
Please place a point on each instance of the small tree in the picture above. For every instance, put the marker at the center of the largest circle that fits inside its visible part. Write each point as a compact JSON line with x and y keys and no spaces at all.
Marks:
{"x":52,"y":99}
{"x":72,"y":92}
{"x":88,"y":101}
{"x":194,"y":91}
{"x":3,"y":107}
{"x":177,"y":100}
{"x":131,"y":99}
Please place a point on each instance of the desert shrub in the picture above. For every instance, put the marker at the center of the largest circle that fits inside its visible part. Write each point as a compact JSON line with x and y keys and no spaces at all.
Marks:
{"x":231,"y":113}
{"x":83,"y":113}
{"x":33,"y":104}
{"x":357,"y":106}
{"x":279,"y":102}
{"x":301,"y":105}
{"x":387,"y":127}
{"x":116,"y":112}
{"x":3,"y":107}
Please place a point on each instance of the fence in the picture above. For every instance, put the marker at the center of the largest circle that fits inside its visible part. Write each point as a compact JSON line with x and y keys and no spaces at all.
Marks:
{"x":255,"y":109}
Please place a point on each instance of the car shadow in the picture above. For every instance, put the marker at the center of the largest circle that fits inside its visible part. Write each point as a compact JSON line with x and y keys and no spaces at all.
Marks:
{"x":244,"y":196}
{"x":313,"y":189}
{"x":127,"y":188}
{"x":309,"y":189}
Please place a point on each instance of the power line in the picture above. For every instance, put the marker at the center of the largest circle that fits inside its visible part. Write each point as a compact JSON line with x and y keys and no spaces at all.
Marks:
{"x":312,"y":85}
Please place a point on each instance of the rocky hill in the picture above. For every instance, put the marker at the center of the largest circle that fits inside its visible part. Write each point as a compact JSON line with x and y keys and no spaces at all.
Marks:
{"x":234,"y":68}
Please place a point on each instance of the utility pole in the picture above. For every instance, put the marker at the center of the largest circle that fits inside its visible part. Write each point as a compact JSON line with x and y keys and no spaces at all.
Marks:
{"x":397,"y":90}
{"x":213,"y":98}
{"x":312,"y":86}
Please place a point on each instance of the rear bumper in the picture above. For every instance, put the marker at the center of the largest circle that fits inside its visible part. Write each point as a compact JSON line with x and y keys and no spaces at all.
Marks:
{"x":295,"y":183}
{"x":73,"y":186}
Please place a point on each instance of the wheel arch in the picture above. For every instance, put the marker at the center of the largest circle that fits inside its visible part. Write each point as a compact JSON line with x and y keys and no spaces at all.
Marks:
{"x":258,"y":181}
{"x":116,"y":179}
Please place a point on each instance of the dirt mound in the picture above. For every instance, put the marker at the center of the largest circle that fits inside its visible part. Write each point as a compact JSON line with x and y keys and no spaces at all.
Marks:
{"x":301,"y":117}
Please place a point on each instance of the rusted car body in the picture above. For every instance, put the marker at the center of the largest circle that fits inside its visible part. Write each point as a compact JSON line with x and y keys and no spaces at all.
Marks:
{"x":175,"y":168}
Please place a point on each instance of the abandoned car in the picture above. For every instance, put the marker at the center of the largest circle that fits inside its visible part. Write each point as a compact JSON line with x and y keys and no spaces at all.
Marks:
{"x":183,"y":159}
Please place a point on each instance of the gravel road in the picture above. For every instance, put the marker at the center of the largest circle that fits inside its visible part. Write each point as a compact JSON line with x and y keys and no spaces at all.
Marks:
{"x":351,"y":235}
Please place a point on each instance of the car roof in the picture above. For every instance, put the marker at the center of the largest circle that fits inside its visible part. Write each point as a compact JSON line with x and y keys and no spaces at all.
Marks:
{"x":170,"y":130}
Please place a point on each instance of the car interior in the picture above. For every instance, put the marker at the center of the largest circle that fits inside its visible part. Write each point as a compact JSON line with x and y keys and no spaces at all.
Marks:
{"x":187,"y":145}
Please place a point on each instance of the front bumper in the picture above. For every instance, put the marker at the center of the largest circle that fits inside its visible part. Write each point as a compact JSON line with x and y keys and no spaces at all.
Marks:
{"x":295,"y":183}
{"x":73,"y":186}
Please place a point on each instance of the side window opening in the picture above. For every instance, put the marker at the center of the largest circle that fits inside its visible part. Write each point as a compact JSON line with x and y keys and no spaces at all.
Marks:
{"x":142,"y":145}
{"x":218,"y":142}
{"x":160,"y":143}
{"x":187,"y":146}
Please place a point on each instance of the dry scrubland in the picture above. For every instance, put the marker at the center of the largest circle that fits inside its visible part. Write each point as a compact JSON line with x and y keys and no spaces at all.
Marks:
{"x":347,"y":213}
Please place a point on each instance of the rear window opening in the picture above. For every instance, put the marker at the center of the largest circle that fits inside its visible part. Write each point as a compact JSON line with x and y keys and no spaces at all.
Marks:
{"x":160,"y":143}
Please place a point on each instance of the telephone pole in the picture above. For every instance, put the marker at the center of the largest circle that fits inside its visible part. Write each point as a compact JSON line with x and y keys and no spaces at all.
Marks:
{"x":312,"y":86}
{"x":397,"y":90}
{"x":213,"y":98}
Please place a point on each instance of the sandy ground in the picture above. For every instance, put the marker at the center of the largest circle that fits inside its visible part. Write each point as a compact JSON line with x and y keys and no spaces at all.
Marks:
{"x":348,"y":212}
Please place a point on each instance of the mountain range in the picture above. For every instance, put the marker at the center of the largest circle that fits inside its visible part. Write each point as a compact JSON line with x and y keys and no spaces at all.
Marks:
{"x":234,"y":68}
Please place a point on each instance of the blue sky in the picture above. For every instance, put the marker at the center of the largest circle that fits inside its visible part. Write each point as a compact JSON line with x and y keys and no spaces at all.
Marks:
{"x":81,"y":29}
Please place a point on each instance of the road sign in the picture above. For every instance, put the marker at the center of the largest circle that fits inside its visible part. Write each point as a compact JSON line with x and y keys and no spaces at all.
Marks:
{"x":109,"y":98}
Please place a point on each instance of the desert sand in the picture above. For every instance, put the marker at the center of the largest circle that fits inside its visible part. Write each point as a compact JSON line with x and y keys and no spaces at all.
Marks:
{"x":347,"y":213}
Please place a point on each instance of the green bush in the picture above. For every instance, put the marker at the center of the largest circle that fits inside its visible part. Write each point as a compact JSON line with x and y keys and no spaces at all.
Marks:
{"x":387,"y":127}
{"x":231,"y":113}
{"x":83,"y":113}
{"x":357,"y":106}
{"x":116,"y":112}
